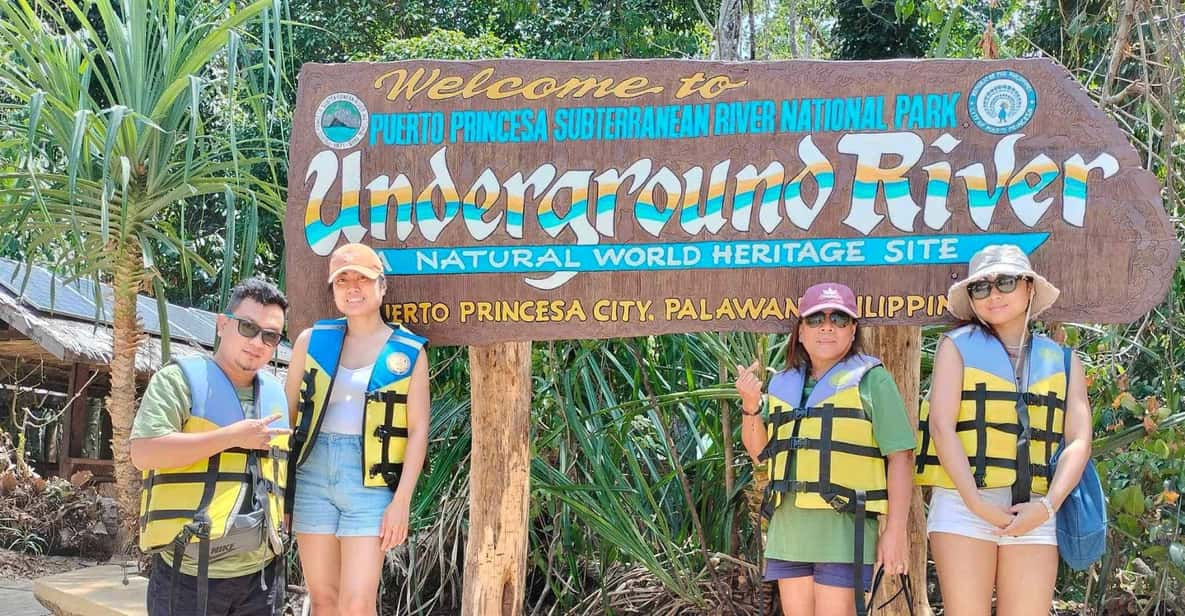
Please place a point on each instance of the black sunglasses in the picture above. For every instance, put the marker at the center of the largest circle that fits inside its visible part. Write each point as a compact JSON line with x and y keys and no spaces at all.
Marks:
{"x":981,"y":289}
{"x":249,"y":329}
{"x":838,"y":319}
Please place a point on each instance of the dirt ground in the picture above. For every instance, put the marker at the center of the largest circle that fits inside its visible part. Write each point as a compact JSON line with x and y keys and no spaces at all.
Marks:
{"x":18,"y":566}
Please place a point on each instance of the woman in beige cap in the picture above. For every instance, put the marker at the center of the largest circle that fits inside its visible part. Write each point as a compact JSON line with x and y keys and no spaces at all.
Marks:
{"x":358,"y":396}
{"x":1003,"y":401}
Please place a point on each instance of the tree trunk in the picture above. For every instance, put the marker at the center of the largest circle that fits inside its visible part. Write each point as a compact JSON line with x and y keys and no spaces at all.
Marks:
{"x":499,"y":485}
{"x":733,"y":538}
{"x":728,"y":30}
{"x":121,"y":402}
{"x":899,"y":347}
{"x":792,"y":23}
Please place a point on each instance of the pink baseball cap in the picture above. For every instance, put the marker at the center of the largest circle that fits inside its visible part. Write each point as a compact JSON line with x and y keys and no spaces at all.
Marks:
{"x":828,"y":295}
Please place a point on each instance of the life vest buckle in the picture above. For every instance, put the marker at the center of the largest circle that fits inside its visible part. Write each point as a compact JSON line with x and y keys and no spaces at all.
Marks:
{"x":801,"y":442}
{"x":839,"y":502}
{"x":793,"y":486}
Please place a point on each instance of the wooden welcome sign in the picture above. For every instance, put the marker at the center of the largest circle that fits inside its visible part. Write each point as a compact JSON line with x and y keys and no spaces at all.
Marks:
{"x":516,"y":200}
{"x":531,"y":200}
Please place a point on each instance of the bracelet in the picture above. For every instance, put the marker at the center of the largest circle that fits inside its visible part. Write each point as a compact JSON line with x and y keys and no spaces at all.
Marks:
{"x":1044,"y":500}
{"x":753,"y":414}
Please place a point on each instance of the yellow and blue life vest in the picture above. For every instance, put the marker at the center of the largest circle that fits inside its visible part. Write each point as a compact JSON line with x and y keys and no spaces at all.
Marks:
{"x":384,"y":429}
{"x":1009,"y":436}
{"x":828,"y":442}
{"x":202,"y":503}
{"x":824,"y":452}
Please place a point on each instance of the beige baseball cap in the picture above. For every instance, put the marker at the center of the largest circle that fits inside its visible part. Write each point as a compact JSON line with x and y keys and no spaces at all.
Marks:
{"x":357,"y":258}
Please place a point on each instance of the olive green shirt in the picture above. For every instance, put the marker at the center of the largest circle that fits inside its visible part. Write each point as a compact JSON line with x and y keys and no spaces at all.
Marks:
{"x":164,"y":409}
{"x":826,"y":536}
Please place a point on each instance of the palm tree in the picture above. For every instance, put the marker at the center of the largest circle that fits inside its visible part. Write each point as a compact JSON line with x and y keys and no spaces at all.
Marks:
{"x":118,"y":113}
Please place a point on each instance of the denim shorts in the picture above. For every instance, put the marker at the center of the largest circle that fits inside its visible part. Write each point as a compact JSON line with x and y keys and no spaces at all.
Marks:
{"x":827,"y":574}
{"x":330,"y":497}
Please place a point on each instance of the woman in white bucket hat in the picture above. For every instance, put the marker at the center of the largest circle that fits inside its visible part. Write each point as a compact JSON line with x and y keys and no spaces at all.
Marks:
{"x":999,"y":408}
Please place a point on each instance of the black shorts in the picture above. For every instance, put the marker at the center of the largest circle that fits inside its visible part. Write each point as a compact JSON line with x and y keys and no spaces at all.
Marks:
{"x":240,"y":596}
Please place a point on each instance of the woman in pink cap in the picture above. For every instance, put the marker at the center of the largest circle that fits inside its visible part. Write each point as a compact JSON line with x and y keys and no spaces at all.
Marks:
{"x":839,"y":448}
{"x":358,"y":395}
{"x":1003,"y":401}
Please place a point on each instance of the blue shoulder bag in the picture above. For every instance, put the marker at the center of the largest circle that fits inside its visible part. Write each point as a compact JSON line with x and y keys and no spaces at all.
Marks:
{"x":1082,"y":518}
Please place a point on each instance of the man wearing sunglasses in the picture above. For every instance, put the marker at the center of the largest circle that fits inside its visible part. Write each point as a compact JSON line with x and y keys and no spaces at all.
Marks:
{"x":211,"y":438}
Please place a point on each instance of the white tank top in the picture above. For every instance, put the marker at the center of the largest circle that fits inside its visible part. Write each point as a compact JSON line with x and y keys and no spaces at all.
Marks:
{"x":343,"y":414}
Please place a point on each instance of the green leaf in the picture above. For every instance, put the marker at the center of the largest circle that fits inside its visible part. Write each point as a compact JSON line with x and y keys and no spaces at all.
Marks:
{"x":1129,"y":524}
{"x":1130,"y":500}
{"x":35,"y":103}
{"x":1177,"y":555}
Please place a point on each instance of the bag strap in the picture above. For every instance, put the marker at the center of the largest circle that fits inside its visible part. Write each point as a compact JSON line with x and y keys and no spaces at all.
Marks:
{"x":906,"y":589}
{"x":1068,"y":355}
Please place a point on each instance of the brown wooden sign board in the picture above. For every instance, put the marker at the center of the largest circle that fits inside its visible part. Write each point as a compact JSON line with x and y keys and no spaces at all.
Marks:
{"x":533,"y":200}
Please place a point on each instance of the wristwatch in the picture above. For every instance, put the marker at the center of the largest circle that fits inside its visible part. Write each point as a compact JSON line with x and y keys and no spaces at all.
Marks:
{"x":1044,"y":500}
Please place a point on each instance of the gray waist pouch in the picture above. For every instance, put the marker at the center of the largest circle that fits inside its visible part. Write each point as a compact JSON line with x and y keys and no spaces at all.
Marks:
{"x":244,"y":533}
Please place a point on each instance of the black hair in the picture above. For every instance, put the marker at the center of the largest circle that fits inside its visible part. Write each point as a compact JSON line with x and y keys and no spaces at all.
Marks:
{"x":258,"y":290}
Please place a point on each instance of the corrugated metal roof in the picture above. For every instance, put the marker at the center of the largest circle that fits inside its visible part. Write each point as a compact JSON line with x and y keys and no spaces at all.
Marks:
{"x":62,"y":316}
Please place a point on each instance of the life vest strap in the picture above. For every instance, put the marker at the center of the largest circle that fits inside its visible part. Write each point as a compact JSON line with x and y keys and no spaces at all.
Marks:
{"x":782,"y":415}
{"x":1049,"y":400}
{"x":1036,"y":434}
{"x":776,"y":446}
{"x":981,"y":397}
{"x":982,"y":393}
{"x":1037,"y":470}
{"x":387,"y":397}
{"x":300,"y":434}
{"x":271,"y":452}
{"x":388,"y":470}
{"x":168,"y":478}
{"x":199,"y":528}
{"x":790,"y":486}
{"x":859,"y":508}
{"x":1022,"y":488}
{"x":390,"y":432}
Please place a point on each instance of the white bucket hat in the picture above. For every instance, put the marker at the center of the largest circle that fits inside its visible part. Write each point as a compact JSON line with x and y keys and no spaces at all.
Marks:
{"x":996,"y":260}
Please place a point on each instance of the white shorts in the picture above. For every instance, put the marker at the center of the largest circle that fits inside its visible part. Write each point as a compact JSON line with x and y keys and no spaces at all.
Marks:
{"x":948,"y":514}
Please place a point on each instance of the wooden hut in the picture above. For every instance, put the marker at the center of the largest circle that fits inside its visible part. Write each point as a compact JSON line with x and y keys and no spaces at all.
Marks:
{"x":54,"y":349}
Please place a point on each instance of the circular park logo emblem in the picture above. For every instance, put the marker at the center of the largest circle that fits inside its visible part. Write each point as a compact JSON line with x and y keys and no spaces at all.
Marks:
{"x":1002,"y":102}
{"x":340,"y":121}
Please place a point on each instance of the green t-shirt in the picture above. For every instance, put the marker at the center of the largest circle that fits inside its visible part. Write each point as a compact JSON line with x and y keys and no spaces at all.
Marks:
{"x":826,"y":536}
{"x":164,"y":409}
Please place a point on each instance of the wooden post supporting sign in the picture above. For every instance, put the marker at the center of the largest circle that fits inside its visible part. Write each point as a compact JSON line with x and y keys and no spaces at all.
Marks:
{"x":500,"y":479}
{"x":899,"y":348}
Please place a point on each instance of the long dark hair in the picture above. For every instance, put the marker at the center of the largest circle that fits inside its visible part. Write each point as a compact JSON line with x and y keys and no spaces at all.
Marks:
{"x":796,"y":355}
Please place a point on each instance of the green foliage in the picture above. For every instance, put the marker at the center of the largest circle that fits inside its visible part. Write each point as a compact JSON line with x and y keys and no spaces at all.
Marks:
{"x":114,"y":126}
{"x":583,"y":30}
{"x":878,"y":29}
{"x":445,"y":45}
